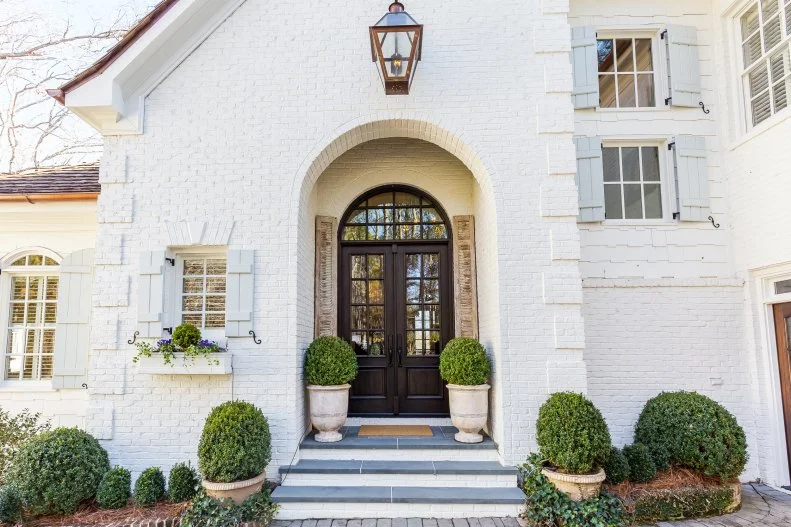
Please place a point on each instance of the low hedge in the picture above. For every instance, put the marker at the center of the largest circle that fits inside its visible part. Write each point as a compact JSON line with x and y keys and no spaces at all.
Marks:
{"x":182,"y":483}
{"x":150,"y":487}
{"x":114,"y":489}
{"x":677,"y":504}
{"x":617,"y":467}
{"x":641,"y":466}
{"x":10,"y":505}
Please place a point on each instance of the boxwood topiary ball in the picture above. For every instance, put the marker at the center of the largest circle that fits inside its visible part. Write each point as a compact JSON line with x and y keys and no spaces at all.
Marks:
{"x":686,"y":429}
{"x":572,"y":433}
{"x":150,"y":487}
{"x":10,"y":505}
{"x":616,"y":467}
{"x":114,"y":489}
{"x":464,"y":362}
{"x":330,"y":361}
{"x":56,"y":471}
{"x":186,"y":335}
{"x":641,"y":465}
{"x":182,"y":483}
{"x":235,"y":444}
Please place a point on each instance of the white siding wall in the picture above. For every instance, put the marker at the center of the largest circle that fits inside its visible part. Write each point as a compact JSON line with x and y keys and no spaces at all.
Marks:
{"x":62,"y":227}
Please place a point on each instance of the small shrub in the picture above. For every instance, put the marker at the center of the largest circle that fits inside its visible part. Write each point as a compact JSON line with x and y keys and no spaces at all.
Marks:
{"x":641,"y":464}
{"x":114,"y":489}
{"x":464,"y":362}
{"x":616,"y":467}
{"x":10,"y":505}
{"x":545,"y":506}
{"x":686,"y":502}
{"x":57,"y":470}
{"x":572,"y":433}
{"x":690,"y":430}
{"x":15,"y":430}
{"x":235,"y":444}
{"x":330,"y":361}
{"x":182,"y":483}
{"x":186,"y":335}
{"x":205,"y":511}
{"x":149,"y":487}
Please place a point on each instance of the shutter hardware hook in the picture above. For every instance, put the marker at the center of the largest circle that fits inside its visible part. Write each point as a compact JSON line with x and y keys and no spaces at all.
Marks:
{"x":134,"y":338}
{"x":252,"y":334}
{"x":716,"y":225}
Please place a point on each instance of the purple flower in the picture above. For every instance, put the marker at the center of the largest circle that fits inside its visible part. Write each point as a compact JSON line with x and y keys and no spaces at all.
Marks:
{"x":163,"y":342}
{"x":205,"y":343}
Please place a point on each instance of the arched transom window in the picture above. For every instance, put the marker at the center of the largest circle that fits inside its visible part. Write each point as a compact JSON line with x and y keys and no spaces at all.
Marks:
{"x":395,"y":215}
{"x":31,"y":318}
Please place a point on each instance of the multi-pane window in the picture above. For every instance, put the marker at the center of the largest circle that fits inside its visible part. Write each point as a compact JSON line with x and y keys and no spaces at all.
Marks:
{"x":395,"y":216}
{"x":423,"y":306}
{"x":626,"y":73}
{"x":203,"y":291}
{"x":32,"y":314}
{"x":766,"y":44}
{"x":632,"y":186}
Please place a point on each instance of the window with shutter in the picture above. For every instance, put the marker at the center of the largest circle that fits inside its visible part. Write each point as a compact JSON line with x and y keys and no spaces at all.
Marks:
{"x":692,"y":178}
{"x":590,"y":181}
{"x":239,"y":293}
{"x":150,"y":298}
{"x":684,"y":66}
{"x":626,"y":72}
{"x":584,"y":66}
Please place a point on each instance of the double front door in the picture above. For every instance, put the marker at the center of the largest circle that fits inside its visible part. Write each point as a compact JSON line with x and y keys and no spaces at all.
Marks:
{"x":782,"y":316}
{"x":395,"y":310}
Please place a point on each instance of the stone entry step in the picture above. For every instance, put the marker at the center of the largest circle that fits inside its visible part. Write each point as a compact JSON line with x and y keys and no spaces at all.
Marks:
{"x":346,"y":473}
{"x":300,"y":502}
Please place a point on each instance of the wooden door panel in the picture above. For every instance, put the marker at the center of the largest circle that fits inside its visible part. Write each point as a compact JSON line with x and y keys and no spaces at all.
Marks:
{"x":782,"y":316}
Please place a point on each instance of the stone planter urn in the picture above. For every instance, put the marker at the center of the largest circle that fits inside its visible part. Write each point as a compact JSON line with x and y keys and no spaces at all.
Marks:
{"x":238,"y":491}
{"x":578,"y":487}
{"x":469,"y":411}
{"x":328,"y":408}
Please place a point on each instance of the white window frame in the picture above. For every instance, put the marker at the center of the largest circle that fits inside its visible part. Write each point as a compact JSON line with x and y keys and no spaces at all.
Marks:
{"x":743,"y":71}
{"x":658,"y":57}
{"x":666,"y":178}
{"x":7,"y":272}
{"x":176,"y":276}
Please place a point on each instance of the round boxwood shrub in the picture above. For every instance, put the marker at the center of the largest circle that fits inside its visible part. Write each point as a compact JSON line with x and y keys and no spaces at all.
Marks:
{"x":235,"y":444}
{"x":330,"y":361}
{"x":149,"y":487}
{"x":690,"y":430}
{"x":10,"y":505}
{"x":114,"y":489}
{"x":572,"y":433}
{"x":641,"y":464}
{"x":616,"y":467}
{"x":186,"y":335}
{"x":182,"y":483}
{"x":464,"y":362}
{"x":55,"y":471}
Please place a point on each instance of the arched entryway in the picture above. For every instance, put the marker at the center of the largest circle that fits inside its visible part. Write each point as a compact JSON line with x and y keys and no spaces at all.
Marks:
{"x":395,"y":293}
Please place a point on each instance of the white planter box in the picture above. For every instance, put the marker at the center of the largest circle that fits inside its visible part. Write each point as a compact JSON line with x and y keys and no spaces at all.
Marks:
{"x":214,"y":364}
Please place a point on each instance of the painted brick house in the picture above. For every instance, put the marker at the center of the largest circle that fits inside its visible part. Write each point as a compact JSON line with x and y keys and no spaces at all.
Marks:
{"x":593,"y":189}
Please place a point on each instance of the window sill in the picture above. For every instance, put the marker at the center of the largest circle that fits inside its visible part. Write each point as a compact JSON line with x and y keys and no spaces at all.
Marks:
{"x":765,"y":126}
{"x":633,"y":110}
{"x":26,"y":386}
{"x":636,"y":223}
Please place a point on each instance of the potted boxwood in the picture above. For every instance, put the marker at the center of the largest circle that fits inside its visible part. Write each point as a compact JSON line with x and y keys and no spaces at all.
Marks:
{"x":464,"y":365}
{"x":330,"y":364}
{"x":234,"y":450}
{"x":575,"y":441}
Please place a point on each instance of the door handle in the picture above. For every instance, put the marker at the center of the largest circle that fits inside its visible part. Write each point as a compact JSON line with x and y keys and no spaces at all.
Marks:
{"x":399,"y":351}
{"x":389,"y":350}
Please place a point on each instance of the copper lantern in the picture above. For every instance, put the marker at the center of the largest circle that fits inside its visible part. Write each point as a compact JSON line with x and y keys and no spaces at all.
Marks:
{"x":395,"y":44}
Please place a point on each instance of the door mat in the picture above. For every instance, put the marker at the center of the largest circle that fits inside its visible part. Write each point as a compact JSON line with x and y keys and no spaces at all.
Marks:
{"x":395,"y":431}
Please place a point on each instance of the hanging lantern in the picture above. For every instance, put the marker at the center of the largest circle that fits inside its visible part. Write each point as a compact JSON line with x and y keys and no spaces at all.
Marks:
{"x":395,"y":44}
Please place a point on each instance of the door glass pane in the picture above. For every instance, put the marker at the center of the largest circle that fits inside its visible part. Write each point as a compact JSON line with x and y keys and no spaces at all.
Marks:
{"x":366,"y":306}
{"x":423,"y":304}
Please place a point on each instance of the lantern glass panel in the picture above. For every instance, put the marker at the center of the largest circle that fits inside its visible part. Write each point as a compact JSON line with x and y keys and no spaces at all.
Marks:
{"x":396,"y":52}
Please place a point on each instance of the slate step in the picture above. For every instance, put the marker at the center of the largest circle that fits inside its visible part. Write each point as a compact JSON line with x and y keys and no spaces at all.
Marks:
{"x":352,"y":473}
{"x":303,"y":502}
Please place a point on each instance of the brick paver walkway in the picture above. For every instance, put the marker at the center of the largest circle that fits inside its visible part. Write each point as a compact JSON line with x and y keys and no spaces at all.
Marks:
{"x":761,"y":507}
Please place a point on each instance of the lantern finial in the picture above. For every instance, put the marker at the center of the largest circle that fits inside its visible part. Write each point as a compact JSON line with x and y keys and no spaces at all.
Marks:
{"x":396,"y":7}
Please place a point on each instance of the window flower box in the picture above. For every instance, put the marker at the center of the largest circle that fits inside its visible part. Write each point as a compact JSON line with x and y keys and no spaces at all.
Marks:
{"x":214,"y":364}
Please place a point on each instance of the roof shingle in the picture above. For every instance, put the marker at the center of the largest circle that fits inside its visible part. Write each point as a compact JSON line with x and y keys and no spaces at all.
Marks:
{"x":80,"y":179}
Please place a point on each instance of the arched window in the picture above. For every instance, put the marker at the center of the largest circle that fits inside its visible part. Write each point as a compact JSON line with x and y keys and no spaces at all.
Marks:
{"x":28,"y":342}
{"x":395,"y":215}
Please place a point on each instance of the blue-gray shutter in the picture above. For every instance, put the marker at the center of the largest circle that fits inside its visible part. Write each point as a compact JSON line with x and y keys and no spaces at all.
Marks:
{"x":692,"y":178}
{"x":239,"y":293}
{"x":590,"y":179}
{"x":73,"y":327}
{"x":150,"y":299}
{"x":683,"y":66}
{"x":585,"y":67}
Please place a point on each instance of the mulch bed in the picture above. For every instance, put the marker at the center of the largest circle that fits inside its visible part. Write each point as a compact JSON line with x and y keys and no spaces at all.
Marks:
{"x":160,"y":515}
{"x":670,"y":479}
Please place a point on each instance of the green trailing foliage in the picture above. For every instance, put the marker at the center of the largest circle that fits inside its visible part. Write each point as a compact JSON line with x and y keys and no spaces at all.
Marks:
{"x":10,"y":505}
{"x":186,"y":335}
{"x":616,"y":467}
{"x":686,"y":429}
{"x":641,"y":464}
{"x":114,"y":489}
{"x":186,"y":339}
{"x":57,"y":470}
{"x":330,"y":361}
{"x":464,"y":361}
{"x":545,"y":506}
{"x":205,"y":511}
{"x":235,"y":444}
{"x":182,"y":483}
{"x":150,"y":487}
{"x":15,"y":430}
{"x":572,"y":433}
{"x":677,"y":504}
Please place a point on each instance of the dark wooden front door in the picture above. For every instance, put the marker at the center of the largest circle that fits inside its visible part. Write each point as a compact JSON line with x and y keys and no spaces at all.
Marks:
{"x":395,"y":311}
{"x":782,"y":314}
